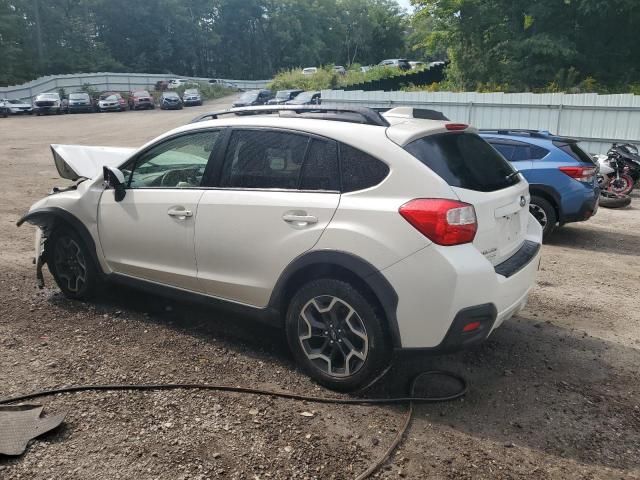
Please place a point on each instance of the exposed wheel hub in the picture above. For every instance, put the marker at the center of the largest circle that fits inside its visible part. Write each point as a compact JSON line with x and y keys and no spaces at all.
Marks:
{"x":70,"y":264}
{"x":333,"y":336}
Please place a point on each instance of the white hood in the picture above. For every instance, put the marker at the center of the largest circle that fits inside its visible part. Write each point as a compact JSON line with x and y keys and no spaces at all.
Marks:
{"x":75,"y":161}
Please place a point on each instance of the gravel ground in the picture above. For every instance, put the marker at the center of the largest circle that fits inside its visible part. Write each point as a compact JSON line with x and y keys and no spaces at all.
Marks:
{"x":554,"y":393}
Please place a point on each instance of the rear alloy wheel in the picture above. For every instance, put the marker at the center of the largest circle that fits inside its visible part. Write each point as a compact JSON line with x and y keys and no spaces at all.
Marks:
{"x":71,"y":265}
{"x":544,"y":213}
{"x":336,"y":335}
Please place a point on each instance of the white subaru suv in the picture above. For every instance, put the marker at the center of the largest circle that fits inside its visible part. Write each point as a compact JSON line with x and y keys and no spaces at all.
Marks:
{"x":357,"y":232}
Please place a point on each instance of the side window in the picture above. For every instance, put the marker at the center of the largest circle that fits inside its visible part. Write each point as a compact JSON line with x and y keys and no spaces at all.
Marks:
{"x":505,"y":150}
{"x":320,"y":170}
{"x":264,"y":159}
{"x":521,"y":153}
{"x":176,"y":163}
{"x":538,"y":152}
{"x":360,"y":170}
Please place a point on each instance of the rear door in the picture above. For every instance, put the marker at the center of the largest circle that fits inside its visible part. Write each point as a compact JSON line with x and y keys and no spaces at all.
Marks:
{"x":274,"y":197}
{"x":481,"y":177}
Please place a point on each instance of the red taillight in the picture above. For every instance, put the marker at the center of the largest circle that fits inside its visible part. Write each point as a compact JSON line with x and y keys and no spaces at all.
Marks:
{"x":456,"y":126}
{"x":582,"y":174}
{"x":445,"y":222}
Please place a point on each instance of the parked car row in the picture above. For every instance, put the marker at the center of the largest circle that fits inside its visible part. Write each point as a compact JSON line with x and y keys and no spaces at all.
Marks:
{"x":109,"y":101}
{"x":281,"y":97}
{"x":400,"y":63}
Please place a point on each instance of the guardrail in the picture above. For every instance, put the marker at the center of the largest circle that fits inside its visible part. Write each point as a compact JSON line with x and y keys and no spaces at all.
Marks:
{"x":596,"y":120}
{"x":106,"y":81}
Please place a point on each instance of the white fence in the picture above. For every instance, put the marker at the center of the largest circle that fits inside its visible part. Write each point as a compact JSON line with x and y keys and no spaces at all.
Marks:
{"x":596,"y":120}
{"x":105,"y":81}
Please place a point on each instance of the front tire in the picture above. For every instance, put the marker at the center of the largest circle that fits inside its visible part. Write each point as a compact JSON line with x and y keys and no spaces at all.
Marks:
{"x":336,"y":334}
{"x":544,"y":212}
{"x":71,"y":264}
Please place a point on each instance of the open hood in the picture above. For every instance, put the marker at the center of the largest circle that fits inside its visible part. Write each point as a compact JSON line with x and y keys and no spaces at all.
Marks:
{"x":75,"y":161}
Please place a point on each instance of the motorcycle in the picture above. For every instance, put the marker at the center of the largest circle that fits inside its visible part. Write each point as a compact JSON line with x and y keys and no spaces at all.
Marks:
{"x":625,"y":160}
{"x":607,"y":175}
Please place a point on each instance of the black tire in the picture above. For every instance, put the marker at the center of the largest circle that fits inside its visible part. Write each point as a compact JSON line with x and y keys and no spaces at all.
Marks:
{"x":372,"y":341}
{"x":614,"y":200}
{"x":67,"y":255}
{"x":545,"y":213}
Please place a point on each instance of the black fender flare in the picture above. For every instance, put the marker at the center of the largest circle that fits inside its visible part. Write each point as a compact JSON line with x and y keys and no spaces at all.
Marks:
{"x":48,"y":217}
{"x":550,"y":192}
{"x":363,"y":270}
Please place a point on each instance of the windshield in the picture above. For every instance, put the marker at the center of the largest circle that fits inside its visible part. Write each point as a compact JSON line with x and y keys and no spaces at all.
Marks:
{"x":49,"y":95}
{"x":248,"y":97}
{"x":14,"y":102}
{"x":78,"y":96}
{"x":141,"y":93}
{"x":111,"y":98}
{"x":191,"y":91}
{"x":464,"y":160}
{"x":283,"y":94}
{"x":304,"y":97}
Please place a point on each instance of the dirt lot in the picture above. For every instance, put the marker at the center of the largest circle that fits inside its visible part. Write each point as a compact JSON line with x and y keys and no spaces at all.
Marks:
{"x":555,"y":392}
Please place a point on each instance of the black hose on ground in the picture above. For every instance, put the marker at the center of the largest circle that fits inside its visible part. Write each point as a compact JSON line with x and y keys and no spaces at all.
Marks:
{"x":411,"y":399}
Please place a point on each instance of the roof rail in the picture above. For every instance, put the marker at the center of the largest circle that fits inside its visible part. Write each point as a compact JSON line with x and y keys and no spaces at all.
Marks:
{"x":532,"y":133}
{"x":368,"y":115}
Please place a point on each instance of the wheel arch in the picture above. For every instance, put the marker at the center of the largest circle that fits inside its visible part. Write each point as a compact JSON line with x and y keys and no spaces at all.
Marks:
{"x":51,"y":218}
{"x":550,"y":195}
{"x":342,"y":266}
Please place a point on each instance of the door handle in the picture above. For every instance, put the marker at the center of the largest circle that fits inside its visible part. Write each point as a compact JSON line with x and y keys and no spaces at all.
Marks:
{"x":181,"y":213}
{"x":299,"y":219}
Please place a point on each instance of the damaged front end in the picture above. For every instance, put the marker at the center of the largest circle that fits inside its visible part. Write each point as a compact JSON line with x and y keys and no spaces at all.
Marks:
{"x":74,"y":206}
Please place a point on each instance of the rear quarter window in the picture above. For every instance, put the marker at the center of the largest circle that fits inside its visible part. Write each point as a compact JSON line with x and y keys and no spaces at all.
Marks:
{"x":464,"y":160}
{"x":360,"y":170}
{"x":574,"y":151}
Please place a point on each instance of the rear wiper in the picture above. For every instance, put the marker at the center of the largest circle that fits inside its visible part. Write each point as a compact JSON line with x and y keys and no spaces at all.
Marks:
{"x":512,"y":175}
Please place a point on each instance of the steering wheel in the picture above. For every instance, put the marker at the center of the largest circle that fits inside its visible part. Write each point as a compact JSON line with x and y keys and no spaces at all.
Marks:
{"x":173,"y":177}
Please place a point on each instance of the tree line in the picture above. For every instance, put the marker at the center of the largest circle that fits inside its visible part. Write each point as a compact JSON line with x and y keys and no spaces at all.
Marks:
{"x":508,"y":45}
{"x":244,"y":39}
{"x":525,"y":45}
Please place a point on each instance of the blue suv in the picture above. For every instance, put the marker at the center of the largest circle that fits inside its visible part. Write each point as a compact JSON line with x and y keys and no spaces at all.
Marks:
{"x":562,"y":177}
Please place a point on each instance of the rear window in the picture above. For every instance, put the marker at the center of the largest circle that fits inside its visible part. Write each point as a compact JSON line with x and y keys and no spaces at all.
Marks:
{"x":573,"y":150}
{"x":464,"y":160}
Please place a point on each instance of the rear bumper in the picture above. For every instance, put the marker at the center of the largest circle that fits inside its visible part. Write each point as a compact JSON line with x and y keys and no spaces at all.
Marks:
{"x":443,"y":289}
{"x":586,"y":209}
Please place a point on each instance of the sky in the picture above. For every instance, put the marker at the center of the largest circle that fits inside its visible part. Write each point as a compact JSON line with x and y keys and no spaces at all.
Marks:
{"x":404,"y":3}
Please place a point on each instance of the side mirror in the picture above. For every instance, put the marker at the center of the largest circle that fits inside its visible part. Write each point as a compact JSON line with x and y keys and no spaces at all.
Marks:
{"x":114,"y":178}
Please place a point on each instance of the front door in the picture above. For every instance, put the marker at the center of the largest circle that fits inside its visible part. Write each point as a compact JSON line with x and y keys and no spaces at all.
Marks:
{"x":150,"y":233}
{"x":277,"y":193}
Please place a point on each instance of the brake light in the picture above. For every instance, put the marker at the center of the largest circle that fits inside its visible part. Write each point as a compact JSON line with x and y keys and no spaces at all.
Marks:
{"x":581,"y":174}
{"x":456,"y":126}
{"x":445,"y":222}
